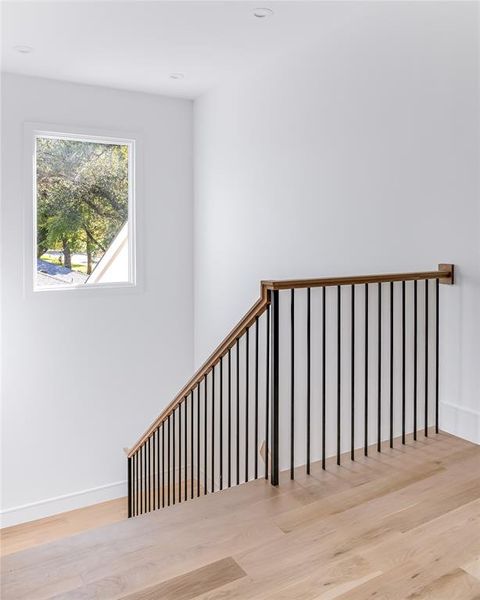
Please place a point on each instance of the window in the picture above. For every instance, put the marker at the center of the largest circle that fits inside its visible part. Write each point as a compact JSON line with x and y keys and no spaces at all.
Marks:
{"x":83,"y":211}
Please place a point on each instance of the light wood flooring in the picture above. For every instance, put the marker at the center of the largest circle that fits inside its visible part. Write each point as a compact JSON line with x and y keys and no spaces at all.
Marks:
{"x":34,"y":533}
{"x":401,"y":525}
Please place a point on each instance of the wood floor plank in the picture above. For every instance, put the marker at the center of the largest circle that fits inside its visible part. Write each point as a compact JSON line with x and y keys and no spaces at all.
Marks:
{"x":192,"y":584}
{"x":433,"y":541}
{"x":334,"y":580}
{"x":421,"y":556}
{"x":42,"y":531}
{"x":304,"y":516}
{"x":121,"y":572}
{"x":303,"y":584}
{"x":412,"y":581}
{"x":429,"y":509}
{"x":454,"y":585}
{"x":473,"y":568}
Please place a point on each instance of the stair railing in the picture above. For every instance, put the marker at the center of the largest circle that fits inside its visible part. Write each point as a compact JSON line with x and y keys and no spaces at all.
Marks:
{"x":311,"y":359}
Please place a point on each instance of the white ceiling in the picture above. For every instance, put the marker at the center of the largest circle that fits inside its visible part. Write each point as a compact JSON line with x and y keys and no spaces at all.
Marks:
{"x":136,"y":45}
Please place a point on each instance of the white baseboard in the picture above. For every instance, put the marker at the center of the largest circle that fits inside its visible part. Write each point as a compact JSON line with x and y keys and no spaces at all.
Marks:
{"x":460,"y":421}
{"x":59,"y":504}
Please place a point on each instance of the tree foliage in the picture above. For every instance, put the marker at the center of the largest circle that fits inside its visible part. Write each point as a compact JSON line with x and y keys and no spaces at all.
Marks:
{"x":82,"y":196}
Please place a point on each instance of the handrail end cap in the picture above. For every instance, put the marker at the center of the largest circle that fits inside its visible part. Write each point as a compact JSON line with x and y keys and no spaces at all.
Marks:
{"x":449,"y":273}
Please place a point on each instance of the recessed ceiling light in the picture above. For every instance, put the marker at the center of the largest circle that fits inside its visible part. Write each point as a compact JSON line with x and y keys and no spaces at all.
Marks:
{"x":23,"y":49}
{"x":262,"y":13}
{"x":176,"y":75}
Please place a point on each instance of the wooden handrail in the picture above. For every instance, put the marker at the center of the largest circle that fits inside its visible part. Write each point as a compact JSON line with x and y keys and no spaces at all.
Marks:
{"x":257,"y":309}
{"x":445,"y":275}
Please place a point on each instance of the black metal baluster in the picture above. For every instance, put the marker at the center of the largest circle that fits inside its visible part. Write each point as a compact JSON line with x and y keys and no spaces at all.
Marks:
{"x":168,"y":460}
{"x":275,"y":390}
{"x":145,"y":445}
{"x":131,"y":488}
{"x":379,"y":373}
{"x":426,"y":357}
{"x":267,"y":392}
{"x":391,"y":360}
{"x":339,"y":370}
{"x":154,"y":470}
{"x":247,"y":398}
{"x":229,"y":381}
{"x":256,"y":399}
{"x":159,"y":463}
{"x":137,"y":483}
{"x":221,"y":424}
{"x":140,"y":481}
{"x":148,"y":467}
{"x":144,"y":487}
{"x":237,"y":424}
{"x":205,"y":435}
{"x":309,"y":378}
{"x":437,"y":350}
{"x":151,"y":489}
{"x":415,"y":358}
{"x":158,"y":467}
{"x":134,"y":487}
{"x":324,"y":375}
{"x":137,"y":473}
{"x":213,"y":431}
{"x":365,"y":450}
{"x":352,"y":377}
{"x":403,"y":362}
{"x":148,"y":473}
{"x":292,"y":383}
{"x":174,"y":451}
{"x":150,"y":442}
{"x":129,"y":470}
{"x":198,"y":440}
{"x":163,"y":464}
{"x":185,"y":464}
{"x":180,"y":452}
{"x":192,"y":411}
{"x":141,"y":495}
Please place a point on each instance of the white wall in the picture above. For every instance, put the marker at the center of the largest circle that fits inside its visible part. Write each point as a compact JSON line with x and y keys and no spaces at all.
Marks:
{"x":358,"y":155}
{"x":84,"y":374}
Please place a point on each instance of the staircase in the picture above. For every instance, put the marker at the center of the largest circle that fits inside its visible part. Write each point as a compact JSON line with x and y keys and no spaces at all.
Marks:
{"x":316,"y":368}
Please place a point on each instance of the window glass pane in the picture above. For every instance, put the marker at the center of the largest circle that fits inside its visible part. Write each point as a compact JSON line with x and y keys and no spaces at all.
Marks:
{"x":82,"y":204}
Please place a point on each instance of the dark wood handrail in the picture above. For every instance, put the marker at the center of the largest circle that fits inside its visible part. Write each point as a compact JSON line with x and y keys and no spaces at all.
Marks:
{"x":445,"y":275}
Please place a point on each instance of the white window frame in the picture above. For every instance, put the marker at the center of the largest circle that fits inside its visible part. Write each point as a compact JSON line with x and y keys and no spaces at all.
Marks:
{"x":32,"y":131}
